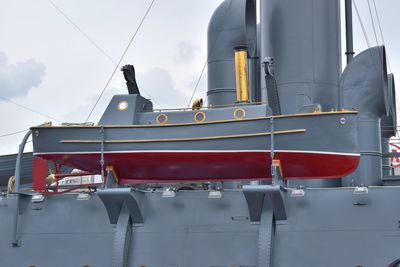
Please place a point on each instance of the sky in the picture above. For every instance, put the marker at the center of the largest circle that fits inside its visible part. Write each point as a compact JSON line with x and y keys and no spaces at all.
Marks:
{"x":48,"y":65}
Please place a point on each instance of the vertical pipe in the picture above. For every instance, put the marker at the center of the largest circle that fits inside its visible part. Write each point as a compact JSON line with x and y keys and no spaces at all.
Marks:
{"x":263,"y":32}
{"x":18,"y":163}
{"x":349,"y":43}
{"x":16,"y":241}
{"x":242,"y":84}
{"x":349,"y":31}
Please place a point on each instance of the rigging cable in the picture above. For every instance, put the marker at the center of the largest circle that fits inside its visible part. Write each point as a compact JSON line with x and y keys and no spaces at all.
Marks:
{"x":101,"y":50}
{"x":29,"y":109}
{"x":381,"y":32}
{"x":120,"y":60}
{"x":383,"y":41}
{"x":92,"y":41}
{"x":362,"y":24}
{"x":13,"y":133}
{"x":373,"y":22}
{"x":210,"y":52}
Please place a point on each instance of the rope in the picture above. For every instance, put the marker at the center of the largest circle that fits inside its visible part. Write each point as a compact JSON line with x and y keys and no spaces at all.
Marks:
{"x":121,"y":58}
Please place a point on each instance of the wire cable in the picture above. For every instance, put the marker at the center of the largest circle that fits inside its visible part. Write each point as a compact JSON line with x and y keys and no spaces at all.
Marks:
{"x":381,"y":32}
{"x":362,"y":24}
{"x":373,"y":22}
{"x":13,"y":133}
{"x":387,"y":58}
{"x":92,"y":41}
{"x":120,"y":60}
{"x":198,"y":82}
{"x":29,"y":109}
{"x":101,"y":50}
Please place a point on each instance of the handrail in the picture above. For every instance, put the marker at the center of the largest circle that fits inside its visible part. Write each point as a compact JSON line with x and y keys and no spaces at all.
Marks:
{"x":211,"y":107}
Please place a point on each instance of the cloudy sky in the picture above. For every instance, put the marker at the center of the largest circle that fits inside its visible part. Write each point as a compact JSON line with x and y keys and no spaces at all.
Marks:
{"x":47,"y":65}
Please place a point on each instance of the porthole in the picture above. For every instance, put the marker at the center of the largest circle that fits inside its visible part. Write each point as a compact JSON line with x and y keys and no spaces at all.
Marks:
{"x":200,"y":116}
{"x":122,"y":106}
{"x":162,"y":119}
{"x":239,"y":113}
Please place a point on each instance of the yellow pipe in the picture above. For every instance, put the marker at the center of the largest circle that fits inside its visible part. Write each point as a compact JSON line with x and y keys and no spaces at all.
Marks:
{"x":242,"y":88}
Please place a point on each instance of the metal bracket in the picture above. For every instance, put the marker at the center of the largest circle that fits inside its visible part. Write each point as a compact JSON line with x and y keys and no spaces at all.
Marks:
{"x":115,"y":198}
{"x":255,"y":195}
{"x":112,"y":180}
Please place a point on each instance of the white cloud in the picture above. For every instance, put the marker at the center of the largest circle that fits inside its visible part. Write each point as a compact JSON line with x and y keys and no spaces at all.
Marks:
{"x":186,"y":52}
{"x":16,"y":80}
{"x":158,"y":85}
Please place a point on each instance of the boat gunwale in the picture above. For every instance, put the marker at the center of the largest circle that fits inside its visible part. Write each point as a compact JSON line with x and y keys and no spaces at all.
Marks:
{"x":197,"y":123}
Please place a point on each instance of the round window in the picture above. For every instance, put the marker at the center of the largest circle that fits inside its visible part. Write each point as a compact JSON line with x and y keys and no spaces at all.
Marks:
{"x":162,"y":119}
{"x":200,"y":116}
{"x":239,"y":113}
{"x":123,"y":105}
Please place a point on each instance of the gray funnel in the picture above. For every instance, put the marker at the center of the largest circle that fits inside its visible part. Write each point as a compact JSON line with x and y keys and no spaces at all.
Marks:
{"x":232,"y":24}
{"x":303,"y":38}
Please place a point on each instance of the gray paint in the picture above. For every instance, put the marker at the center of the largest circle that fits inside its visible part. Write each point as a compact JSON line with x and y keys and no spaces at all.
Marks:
{"x":364,"y":86}
{"x":349,"y":30}
{"x":7,"y":167}
{"x":136,"y":105}
{"x":232,"y":24}
{"x":303,"y":37}
{"x":325,"y":228}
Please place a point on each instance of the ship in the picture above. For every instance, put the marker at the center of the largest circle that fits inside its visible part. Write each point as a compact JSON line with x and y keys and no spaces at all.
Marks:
{"x":288,"y":164}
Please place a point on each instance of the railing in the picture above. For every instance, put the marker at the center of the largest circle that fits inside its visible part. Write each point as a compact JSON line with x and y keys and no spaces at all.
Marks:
{"x":210,"y":107}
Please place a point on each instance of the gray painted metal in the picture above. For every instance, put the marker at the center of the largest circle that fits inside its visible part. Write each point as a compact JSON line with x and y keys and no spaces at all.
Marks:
{"x":324,"y":228}
{"x":122,"y":238}
{"x":115,"y":199}
{"x":323,"y":132}
{"x":303,"y":37}
{"x":232,"y":24}
{"x":266,"y":235}
{"x":7,"y":168}
{"x":136,"y":105}
{"x":18,"y":163}
{"x":365,"y":87}
{"x":349,"y":30}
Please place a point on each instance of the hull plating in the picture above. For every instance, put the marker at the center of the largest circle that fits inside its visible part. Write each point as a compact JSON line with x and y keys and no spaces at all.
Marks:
{"x":178,"y":166}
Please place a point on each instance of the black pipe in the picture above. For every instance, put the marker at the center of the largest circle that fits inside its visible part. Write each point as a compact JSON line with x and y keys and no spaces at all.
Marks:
{"x":349,"y":31}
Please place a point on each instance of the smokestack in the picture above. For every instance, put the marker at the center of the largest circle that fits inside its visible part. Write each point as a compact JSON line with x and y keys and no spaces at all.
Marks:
{"x":233,"y":24}
{"x":303,"y":38}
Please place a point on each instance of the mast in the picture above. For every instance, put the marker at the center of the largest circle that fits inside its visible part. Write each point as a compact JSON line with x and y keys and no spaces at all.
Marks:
{"x":349,"y":31}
